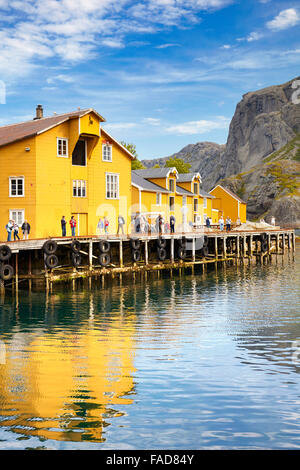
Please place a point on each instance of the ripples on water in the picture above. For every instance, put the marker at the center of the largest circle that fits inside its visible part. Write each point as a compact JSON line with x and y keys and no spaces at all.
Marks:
{"x":193,"y":362}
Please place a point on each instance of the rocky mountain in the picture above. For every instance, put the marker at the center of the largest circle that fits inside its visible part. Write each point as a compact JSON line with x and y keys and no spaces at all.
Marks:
{"x":261,"y":159}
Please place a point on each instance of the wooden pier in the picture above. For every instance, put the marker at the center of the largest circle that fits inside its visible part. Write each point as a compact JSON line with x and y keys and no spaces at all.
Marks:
{"x":45,"y":262}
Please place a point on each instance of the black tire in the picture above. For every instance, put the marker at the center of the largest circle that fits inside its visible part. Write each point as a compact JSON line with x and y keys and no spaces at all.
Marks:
{"x":204,"y":251}
{"x":181,"y":253}
{"x":135,"y":243}
{"x":75,"y":246}
{"x":181,"y":242}
{"x":76,"y":259}
{"x":263,"y":236}
{"x":264,"y":246}
{"x":50,"y":247}
{"x":6,"y":272}
{"x":104,"y":246}
{"x":161,"y":254}
{"x":5,"y":253}
{"x":104,"y":259}
{"x":51,"y":261}
{"x":161,"y":242}
{"x":136,"y":255}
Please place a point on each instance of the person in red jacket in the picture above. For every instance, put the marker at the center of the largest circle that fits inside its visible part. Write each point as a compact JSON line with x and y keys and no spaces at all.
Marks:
{"x":73,"y":225}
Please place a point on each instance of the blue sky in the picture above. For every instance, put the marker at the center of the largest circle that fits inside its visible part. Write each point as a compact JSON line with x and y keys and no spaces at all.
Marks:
{"x":164,"y":73}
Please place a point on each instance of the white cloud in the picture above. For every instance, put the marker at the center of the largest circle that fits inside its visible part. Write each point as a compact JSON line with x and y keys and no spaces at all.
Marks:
{"x":254,"y":36}
{"x":199,"y":127}
{"x":165,"y":46}
{"x":152,"y":121}
{"x":285,"y":19}
{"x":226,"y":46}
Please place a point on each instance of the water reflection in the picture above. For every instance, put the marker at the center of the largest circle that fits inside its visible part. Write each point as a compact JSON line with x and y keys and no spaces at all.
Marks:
{"x":190,"y":361}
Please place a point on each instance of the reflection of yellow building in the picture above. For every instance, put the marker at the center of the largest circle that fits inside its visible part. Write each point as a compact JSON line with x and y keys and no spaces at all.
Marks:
{"x":62,"y":165}
{"x":68,"y":385}
{"x":229,"y":204}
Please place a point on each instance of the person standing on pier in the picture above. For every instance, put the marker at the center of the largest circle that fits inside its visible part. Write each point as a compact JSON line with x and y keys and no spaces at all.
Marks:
{"x":9,"y":228}
{"x":16,"y":231}
{"x":221,"y":223}
{"x":72,"y":225}
{"x":106,"y":224}
{"x":160,"y":222}
{"x":207,"y":222}
{"x":137,"y":222}
{"x":63,"y":226}
{"x":25,"y":229}
{"x":172,"y":223}
{"x":121,"y":223}
{"x":100,"y":226}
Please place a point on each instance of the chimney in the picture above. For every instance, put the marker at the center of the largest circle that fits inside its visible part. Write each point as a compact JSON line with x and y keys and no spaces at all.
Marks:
{"x":39,"y":112}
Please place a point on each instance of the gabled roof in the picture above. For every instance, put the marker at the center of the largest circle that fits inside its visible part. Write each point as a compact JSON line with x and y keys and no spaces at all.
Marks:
{"x":23,"y":130}
{"x":146,"y":185}
{"x":156,"y":172}
{"x":187,"y":177}
{"x":103,"y":131}
{"x":231,"y":193}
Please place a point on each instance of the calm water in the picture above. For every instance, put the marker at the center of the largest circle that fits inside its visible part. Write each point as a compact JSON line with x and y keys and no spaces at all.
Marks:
{"x":197,"y":362}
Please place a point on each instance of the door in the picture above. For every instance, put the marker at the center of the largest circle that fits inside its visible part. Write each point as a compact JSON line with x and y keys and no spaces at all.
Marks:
{"x":81,"y":224}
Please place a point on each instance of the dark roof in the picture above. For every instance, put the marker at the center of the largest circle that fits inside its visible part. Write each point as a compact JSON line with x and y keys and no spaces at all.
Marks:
{"x":145,"y":184}
{"x":183,"y":191}
{"x":154,"y":172}
{"x":230,"y":192}
{"x":22,"y":130}
{"x":205,"y":194}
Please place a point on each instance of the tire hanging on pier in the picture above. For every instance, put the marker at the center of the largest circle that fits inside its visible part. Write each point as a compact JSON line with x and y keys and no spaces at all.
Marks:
{"x":181,"y":253}
{"x":136,"y":255}
{"x":161,"y":254}
{"x":161,"y":242}
{"x":104,"y":259}
{"x":75,"y":246}
{"x":50,"y":247}
{"x":76,"y":259}
{"x":135,"y":243}
{"x":51,"y":261}
{"x":6,"y":272}
{"x":5,"y":253}
{"x":104,"y":246}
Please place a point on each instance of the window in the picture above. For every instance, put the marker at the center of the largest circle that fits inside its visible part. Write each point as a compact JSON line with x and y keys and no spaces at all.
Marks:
{"x":205,"y":202}
{"x":79,"y":188}
{"x":195,"y":188}
{"x":107,"y":152}
{"x":62,"y":147}
{"x":158,"y":199}
{"x":171,"y":185}
{"x":184,"y":200}
{"x":16,"y":187}
{"x":172,"y":203}
{"x":79,"y":153}
{"x":18,"y":215}
{"x":112,"y":186}
{"x":195,"y":205}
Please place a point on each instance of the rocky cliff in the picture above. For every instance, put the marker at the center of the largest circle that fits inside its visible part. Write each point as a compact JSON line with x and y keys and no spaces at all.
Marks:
{"x":261,"y":159}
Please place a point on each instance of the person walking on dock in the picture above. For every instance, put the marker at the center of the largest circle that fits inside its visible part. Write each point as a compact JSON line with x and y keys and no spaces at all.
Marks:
{"x":172,"y":224}
{"x":63,"y":226}
{"x":25,"y":229}
{"x":9,"y":228}
{"x":106,"y":224}
{"x":121,"y":223}
{"x":73,"y":225}
{"x":16,"y":231}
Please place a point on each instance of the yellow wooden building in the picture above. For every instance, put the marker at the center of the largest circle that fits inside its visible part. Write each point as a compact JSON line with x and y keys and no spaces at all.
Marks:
{"x":67,"y":165}
{"x":228,"y":204}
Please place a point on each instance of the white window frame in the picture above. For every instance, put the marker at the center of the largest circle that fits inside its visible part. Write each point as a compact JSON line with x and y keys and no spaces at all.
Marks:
{"x":104,"y":146}
{"x":172,"y":183}
{"x":205,"y":203}
{"x":62,"y":139}
{"x":79,"y":185}
{"x":195,"y":183}
{"x":196,"y":203}
{"x":108,"y":176}
{"x":158,"y":199}
{"x":172,"y":207}
{"x":11,"y":178}
{"x":20,"y":211}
